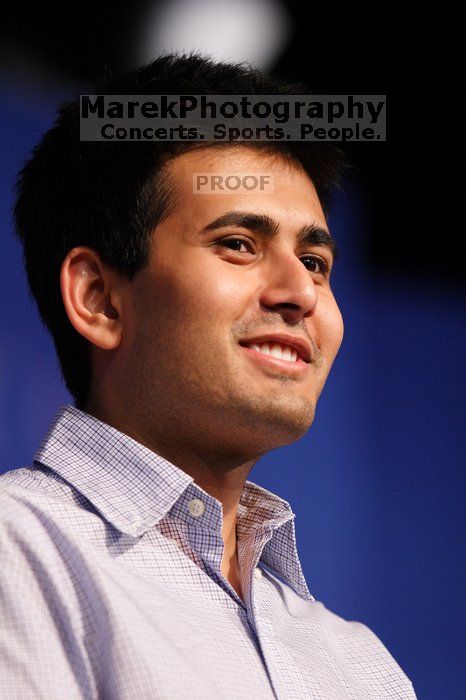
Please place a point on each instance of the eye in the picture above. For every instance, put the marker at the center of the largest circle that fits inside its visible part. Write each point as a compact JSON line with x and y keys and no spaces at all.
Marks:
{"x":316,"y":264}
{"x":235,"y":244}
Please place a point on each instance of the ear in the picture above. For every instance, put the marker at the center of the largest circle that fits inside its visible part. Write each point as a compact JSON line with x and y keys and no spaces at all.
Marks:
{"x":91,"y":294}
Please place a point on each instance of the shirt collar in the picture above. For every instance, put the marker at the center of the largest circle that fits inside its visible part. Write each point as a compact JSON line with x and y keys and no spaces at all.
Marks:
{"x":133,"y":488}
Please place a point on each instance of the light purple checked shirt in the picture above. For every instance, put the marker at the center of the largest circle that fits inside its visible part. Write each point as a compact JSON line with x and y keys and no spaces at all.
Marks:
{"x":111,"y":587}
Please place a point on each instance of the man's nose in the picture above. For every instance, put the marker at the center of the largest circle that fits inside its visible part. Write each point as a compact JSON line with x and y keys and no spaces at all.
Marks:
{"x":289,"y":287}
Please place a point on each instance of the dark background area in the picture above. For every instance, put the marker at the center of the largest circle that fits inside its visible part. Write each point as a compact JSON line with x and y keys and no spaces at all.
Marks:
{"x":414,"y":181}
{"x":378,"y":484}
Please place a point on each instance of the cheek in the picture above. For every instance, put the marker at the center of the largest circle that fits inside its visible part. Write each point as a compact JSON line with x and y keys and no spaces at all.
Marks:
{"x":331,"y":329}
{"x":213,"y":286}
{"x":193,"y":301}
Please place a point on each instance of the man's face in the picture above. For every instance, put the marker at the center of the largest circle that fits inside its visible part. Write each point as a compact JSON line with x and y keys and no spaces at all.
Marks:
{"x":210,"y":289}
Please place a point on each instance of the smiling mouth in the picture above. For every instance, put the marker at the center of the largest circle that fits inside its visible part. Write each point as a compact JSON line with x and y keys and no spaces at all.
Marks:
{"x":277,"y":350}
{"x":276,"y":355}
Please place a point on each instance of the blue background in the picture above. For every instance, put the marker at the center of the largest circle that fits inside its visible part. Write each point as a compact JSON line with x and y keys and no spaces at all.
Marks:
{"x":377,"y":484}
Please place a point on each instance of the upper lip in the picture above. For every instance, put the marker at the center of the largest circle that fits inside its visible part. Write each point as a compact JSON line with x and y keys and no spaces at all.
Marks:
{"x":301,"y":346}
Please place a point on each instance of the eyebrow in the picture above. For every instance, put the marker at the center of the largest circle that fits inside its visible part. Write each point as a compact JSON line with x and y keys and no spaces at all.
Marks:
{"x":262,"y":224}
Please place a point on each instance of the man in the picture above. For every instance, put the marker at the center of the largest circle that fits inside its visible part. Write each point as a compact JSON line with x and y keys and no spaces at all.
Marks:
{"x":195,"y":331}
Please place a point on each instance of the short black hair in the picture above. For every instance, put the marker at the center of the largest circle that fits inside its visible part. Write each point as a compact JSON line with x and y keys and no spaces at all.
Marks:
{"x":111,"y":196}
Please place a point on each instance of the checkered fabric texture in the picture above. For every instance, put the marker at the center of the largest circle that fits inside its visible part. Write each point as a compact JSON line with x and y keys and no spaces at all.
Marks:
{"x":111,"y":587}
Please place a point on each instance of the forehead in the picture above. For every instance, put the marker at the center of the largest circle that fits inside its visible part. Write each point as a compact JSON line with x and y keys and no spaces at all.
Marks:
{"x":289,"y":197}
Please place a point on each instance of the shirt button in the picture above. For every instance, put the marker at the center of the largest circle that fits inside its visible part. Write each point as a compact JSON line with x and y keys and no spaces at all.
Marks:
{"x":196,"y":507}
{"x":257,"y":573}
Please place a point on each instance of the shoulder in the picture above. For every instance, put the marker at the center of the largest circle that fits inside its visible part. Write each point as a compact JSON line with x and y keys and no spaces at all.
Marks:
{"x":45,"y":542}
{"x":29,"y":511}
{"x":349,"y":632}
{"x":28,"y":494}
{"x":34,"y":480}
{"x":359,"y":647}
{"x":41,"y":511}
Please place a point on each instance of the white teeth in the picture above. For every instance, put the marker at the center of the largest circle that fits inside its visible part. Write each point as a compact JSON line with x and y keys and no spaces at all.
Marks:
{"x":278,"y":352}
{"x":286,"y":354}
{"x":281,"y":352}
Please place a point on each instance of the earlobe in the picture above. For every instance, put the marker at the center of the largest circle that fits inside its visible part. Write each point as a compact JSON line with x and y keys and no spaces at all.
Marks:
{"x":90,"y":297}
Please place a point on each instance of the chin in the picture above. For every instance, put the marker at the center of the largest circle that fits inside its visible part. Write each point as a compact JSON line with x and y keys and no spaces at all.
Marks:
{"x":279,"y":428}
